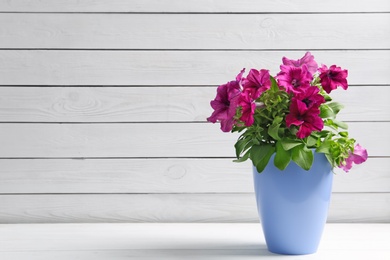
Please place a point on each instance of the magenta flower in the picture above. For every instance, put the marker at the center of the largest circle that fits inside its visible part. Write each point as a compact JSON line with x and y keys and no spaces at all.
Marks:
{"x":307,"y":119}
{"x":248,"y":108}
{"x":333,"y":77}
{"x":310,"y":96}
{"x":239,"y":76}
{"x":358,"y":156}
{"x":256,"y":82}
{"x":225,"y":104}
{"x":307,"y":60}
{"x":293,"y":79}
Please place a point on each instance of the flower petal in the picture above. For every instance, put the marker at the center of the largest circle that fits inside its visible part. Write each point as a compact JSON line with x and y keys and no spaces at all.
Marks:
{"x":307,"y":60}
{"x":333,"y":77}
{"x":359,"y":155}
{"x":347,"y":166}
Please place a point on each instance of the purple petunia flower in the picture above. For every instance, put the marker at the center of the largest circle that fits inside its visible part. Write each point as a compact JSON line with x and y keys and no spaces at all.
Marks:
{"x":333,"y":77}
{"x":248,"y":108}
{"x":294,"y":78}
{"x":256,"y":82}
{"x":307,"y":119}
{"x":225,"y":103}
{"x":307,"y":60}
{"x":310,"y":96}
{"x":358,"y":156}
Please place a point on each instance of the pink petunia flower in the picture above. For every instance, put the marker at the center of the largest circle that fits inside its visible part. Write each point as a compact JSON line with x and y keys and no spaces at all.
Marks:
{"x":248,"y":108}
{"x":307,"y":119}
{"x":307,"y":60}
{"x":256,"y":82}
{"x":358,"y":156}
{"x":294,"y":78}
{"x":333,"y":77}
{"x":310,"y":96}
{"x":225,"y":103}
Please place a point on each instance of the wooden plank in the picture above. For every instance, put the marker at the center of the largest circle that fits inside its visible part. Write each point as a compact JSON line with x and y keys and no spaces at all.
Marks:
{"x":195,"y":31}
{"x":106,"y":104}
{"x":163,"y":104}
{"x":372,"y":176}
{"x":145,"y":140}
{"x":162,"y":176}
{"x":345,"y":207}
{"x":246,"y":6}
{"x":114,"y":140}
{"x":167,"y":241}
{"x":353,"y":98}
{"x":125,"y":176}
{"x":171,"y":67}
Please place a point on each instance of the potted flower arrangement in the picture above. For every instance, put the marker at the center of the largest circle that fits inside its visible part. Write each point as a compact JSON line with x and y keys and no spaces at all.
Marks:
{"x":288,"y":129}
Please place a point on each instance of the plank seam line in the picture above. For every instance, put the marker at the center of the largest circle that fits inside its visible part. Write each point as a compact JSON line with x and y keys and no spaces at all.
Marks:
{"x":149,"y":122}
{"x":151,"y":86}
{"x":194,"y":13}
{"x":189,"y":50}
{"x":112,"y":122}
{"x":114,"y":86}
{"x":140,"y":158}
{"x":163,"y":193}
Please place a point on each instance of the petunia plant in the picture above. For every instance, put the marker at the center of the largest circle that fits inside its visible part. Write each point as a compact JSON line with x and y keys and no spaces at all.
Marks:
{"x":289,"y":115}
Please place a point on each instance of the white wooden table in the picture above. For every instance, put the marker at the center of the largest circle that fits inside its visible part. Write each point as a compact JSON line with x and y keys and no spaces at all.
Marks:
{"x":179,"y":241}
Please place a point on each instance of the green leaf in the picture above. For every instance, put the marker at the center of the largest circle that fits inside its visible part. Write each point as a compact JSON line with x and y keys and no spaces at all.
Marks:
{"x":240,"y":145}
{"x":311,"y":141}
{"x":344,"y":134}
{"x":255,"y":140}
{"x":340,"y":124}
{"x":243,"y":158}
{"x":260,"y":155}
{"x":289,"y":144}
{"x":274,"y":84}
{"x":330,"y":110}
{"x":323,"y":133}
{"x":330,"y":123}
{"x":278,"y":120}
{"x":336,"y":107}
{"x":302,"y":156}
{"x":324,"y":147}
{"x":327,"y":97}
{"x":326,"y":112}
{"x":330,"y":159}
{"x":273,"y":130}
{"x":282,"y":157}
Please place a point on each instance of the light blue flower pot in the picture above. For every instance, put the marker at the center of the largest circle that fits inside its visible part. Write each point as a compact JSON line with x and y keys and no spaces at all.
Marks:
{"x":293,"y":205}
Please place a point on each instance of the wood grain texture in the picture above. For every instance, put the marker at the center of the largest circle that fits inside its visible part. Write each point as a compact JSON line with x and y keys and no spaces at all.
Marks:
{"x":161,"y":176}
{"x":163,"y":104}
{"x":171,"y":67}
{"x":145,"y":140}
{"x":192,"y":6}
{"x":106,"y":104}
{"x":195,"y":31}
{"x":345,"y":207}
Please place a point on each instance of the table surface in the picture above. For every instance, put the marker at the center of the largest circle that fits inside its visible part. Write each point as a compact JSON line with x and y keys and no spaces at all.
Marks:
{"x":180,"y":241}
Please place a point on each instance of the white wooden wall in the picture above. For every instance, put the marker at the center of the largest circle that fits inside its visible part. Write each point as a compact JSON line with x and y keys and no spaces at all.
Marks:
{"x":103,"y":104}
